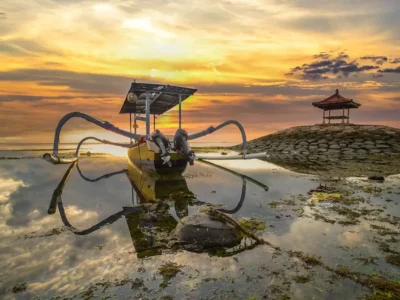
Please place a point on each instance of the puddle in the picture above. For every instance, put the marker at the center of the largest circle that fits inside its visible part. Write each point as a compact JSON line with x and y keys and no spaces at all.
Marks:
{"x":113,"y":231}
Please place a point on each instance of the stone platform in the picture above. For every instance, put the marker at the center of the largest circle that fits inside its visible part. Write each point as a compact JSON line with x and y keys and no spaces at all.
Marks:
{"x":336,"y":140}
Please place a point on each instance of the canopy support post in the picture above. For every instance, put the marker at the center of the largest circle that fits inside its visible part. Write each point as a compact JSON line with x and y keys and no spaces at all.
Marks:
{"x":134,"y":123}
{"x":323,"y":117}
{"x":180,"y":111}
{"x":130,"y":124}
{"x":147,"y":115}
{"x":154,"y":122}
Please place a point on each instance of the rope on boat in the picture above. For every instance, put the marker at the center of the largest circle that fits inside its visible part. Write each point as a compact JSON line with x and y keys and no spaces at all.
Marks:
{"x":212,"y":129}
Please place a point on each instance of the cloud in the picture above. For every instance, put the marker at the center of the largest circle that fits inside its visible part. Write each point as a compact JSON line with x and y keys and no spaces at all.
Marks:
{"x":297,"y":68}
{"x":24,"y":47}
{"x":310,"y":76}
{"x":395,"y":61}
{"x":322,"y":55}
{"x":237,"y":48}
{"x":380,"y":60}
{"x":315,"y":70}
{"x":342,"y":55}
{"x":84,"y":82}
{"x":353,"y":67}
{"x":390,"y":70}
{"x":30,"y":98}
{"x":377,"y":75}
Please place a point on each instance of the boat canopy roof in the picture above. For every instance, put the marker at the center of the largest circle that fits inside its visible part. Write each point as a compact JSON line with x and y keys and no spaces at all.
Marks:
{"x":162,"y":97}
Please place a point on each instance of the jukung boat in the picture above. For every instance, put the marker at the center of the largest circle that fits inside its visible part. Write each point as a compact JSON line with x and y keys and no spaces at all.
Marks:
{"x":152,"y":151}
{"x":164,"y":206}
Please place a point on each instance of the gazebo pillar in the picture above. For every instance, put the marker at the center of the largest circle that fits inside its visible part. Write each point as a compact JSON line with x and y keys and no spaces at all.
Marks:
{"x":343,"y":116}
{"x":348,"y":115}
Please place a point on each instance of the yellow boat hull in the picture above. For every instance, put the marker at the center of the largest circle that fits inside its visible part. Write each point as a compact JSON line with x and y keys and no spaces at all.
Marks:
{"x":147,"y":157}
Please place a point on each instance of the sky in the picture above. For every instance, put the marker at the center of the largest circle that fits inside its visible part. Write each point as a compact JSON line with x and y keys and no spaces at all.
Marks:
{"x":261,"y":62}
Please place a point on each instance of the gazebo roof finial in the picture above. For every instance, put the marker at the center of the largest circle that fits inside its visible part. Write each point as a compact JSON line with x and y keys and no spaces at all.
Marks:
{"x":337,"y":91}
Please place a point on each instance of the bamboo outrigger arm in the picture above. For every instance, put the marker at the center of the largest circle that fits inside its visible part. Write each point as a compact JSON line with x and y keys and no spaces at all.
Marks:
{"x":212,"y":129}
{"x":54,"y":157}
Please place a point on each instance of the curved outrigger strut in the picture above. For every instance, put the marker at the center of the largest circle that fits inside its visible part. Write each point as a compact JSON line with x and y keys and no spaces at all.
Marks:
{"x":148,"y":99}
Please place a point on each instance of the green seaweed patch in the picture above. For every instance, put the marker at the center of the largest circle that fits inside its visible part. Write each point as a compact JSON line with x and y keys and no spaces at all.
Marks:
{"x":290,"y":202}
{"x":380,"y":295}
{"x":382,"y":230}
{"x":393,"y":259}
{"x":383,"y":289}
{"x":88,"y":294}
{"x":373,"y":190}
{"x":370,"y":212}
{"x":209,"y":279}
{"x":308,"y":259}
{"x":325,"y":197}
{"x":336,"y":198}
{"x":394,"y":220}
{"x":273,"y":204}
{"x":348,"y":222}
{"x":312,"y":260}
{"x":167,"y":297}
{"x":19,"y":288}
{"x":384,"y":246}
{"x":302,"y":278}
{"x":100,"y":247}
{"x":277,"y":290}
{"x":377,"y":283}
{"x":135,"y":283}
{"x":366,"y":260}
{"x":252,"y":225}
{"x":343,"y":271}
{"x":168,"y":271}
{"x":319,"y":217}
{"x":344,"y":211}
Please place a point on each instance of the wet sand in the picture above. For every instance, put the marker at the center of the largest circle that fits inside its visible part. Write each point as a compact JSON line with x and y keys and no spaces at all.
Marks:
{"x":42,"y":257}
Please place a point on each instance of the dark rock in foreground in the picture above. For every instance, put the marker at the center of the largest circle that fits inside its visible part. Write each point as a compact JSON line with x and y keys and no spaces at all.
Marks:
{"x":200,"y":232}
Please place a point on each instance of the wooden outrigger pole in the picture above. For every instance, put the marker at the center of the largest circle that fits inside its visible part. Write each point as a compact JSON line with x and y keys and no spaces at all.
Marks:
{"x":152,"y":151}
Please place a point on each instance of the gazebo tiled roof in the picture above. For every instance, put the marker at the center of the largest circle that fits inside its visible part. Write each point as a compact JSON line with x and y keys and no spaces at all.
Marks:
{"x":336,"y":101}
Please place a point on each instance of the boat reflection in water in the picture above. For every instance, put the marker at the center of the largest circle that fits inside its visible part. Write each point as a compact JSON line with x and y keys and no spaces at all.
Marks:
{"x":159,"y":218}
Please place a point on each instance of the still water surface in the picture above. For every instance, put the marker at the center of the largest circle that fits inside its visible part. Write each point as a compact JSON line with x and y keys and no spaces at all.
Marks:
{"x":99,"y":247}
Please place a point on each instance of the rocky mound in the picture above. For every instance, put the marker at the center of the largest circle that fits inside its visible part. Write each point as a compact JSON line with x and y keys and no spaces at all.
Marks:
{"x":347,"y":141}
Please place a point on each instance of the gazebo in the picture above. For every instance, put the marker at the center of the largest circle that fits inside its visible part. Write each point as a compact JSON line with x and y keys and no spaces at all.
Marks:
{"x":336,"y":102}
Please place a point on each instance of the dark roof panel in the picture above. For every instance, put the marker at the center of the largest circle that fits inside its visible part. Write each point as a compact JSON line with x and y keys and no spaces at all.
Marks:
{"x":162,"y":97}
{"x":336,"y":101}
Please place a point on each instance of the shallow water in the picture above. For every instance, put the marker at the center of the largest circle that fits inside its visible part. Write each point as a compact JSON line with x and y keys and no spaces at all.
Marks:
{"x":43,"y":256}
